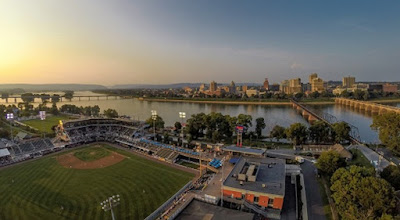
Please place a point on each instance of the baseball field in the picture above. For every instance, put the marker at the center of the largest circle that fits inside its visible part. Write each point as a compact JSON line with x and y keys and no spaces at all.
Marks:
{"x":71,"y":185}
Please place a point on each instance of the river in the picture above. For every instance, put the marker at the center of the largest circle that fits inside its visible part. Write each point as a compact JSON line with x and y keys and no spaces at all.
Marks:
{"x":283,"y":115}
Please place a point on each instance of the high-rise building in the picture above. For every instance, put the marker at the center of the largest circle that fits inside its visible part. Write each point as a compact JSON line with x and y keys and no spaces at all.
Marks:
{"x":244,"y":88}
{"x":317,"y":85}
{"x":349,"y":81}
{"x":312,"y":77}
{"x":202,"y":87}
{"x":266,"y":84}
{"x":295,"y":85}
{"x":213,"y":86}
{"x":232,"y":87}
{"x":284,"y":87}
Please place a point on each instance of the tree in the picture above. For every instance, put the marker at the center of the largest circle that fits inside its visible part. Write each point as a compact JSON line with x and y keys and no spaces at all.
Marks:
{"x":195,"y":125}
{"x":278,"y":132}
{"x":392,"y":175}
{"x":314,"y":94}
{"x":329,"y":162}
{"x":54,"y":109}
{"x":159,"y":122}
{"x":388,"y":126}
{"x":45,"y":97}
{"x":5,"y":95}
{"x":341,"y":131}
{"x":69,"y":95}
{"x":319,"y":132}
{"x":178,"y":125}
{"x":358,"y":194}
{"x":260,"y":125}
{"x":28,"y":97}
{"x":55,"y":98}
{"x":111,"y":113}
{"x":245,"y":120}
{"x":299,"y":95}
{"x":345,"y":94}
{"x":297,"y":132}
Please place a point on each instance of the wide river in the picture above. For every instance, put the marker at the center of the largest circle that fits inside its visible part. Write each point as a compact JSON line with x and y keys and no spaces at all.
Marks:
{"x":274,"y":115}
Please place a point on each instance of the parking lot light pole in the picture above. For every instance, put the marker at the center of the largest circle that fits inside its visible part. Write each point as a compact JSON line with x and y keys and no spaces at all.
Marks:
{"x":109,"y":203}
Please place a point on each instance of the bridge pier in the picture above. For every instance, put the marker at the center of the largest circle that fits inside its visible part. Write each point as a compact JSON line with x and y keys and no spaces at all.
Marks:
{"x":15,"y":100}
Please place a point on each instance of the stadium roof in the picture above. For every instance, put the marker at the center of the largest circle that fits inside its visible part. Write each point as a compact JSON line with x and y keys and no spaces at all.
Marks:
{"x":244,"y":150}
{"x":271,"y":172}
{"x":4,"y":152}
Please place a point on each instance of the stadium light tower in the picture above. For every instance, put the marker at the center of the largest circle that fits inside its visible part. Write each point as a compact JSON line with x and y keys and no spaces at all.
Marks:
{"x":10,"y":118}
{"x":109,"y":203}
{"x":154,"y":117}
{"x":182,"y":115}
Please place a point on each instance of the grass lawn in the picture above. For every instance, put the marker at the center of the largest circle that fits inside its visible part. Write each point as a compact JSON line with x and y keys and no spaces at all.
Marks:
{"x":325,"y":201}
{"x":92,"y":153}
{"x":359,"y":159}
{"x":46,"y":125}
{"x":43,"y":189}
{"x":190,"y":165}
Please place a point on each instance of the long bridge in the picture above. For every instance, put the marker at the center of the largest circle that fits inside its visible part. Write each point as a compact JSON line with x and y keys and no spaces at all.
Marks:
{"x":312,"y":116}
{"x":16,"y":99}
{"x":372,"y":107}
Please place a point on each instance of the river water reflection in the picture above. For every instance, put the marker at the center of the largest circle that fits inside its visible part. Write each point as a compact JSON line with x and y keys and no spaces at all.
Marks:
{"x":283,"y":115}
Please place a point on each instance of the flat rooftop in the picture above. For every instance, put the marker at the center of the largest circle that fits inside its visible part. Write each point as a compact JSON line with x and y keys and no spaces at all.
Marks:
{"x":244,"y":150}
{"x":269,"y":177}
{"x":198,"y":210}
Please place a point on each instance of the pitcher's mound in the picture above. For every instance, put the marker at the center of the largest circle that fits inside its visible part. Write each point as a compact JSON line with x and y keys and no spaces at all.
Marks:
{"x":70,"y":161}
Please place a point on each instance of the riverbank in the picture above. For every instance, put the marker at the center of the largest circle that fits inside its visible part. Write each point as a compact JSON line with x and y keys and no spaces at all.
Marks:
{"x":397,"y":100}
{"x":286,"y":102}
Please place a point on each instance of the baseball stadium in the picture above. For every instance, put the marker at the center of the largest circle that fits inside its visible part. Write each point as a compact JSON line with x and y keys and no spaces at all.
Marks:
{"x":90,"y":167}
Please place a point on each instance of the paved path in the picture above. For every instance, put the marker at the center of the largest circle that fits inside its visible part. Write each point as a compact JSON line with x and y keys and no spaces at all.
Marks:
{"x":372,"y":156}
{"x":315,"y":206}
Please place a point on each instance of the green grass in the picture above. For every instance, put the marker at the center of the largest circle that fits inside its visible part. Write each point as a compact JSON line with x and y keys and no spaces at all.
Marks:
{"x":92,"y":153}
{"x":190,"y":165}
{"x":359,"y":159}
{"x":43,"y":189}
{"x":47,"y":124}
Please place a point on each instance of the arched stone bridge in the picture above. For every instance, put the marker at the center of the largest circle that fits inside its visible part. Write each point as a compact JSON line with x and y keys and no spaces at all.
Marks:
{"x":372,"y":107}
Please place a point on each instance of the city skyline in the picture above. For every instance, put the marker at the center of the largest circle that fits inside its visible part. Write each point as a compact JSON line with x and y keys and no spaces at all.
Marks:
{"x":160,"y":42}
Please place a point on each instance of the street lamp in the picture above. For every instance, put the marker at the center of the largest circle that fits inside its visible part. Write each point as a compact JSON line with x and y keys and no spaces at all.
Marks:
{"x":182,"y":115}
{"x":154,"y":117}
{"x":109,"y":203}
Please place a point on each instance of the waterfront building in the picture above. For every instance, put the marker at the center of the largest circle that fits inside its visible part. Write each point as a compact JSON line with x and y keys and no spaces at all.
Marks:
{"x":232,"y":87}
{"x":295,"y":86}
{"x":317,"y":84}
{"x":202,"y":87}
{"x":251,"y":92}
{"x":284,"y":87}
{"x":348,"y":81}
{"x":244,"y":88}
{"x":213,"y":86}
{"x":266,"y":84}
{"x":312,"y":77}
{"x":274,"y":87}
{"x":390,"y":88}
{"x":257,"y":183}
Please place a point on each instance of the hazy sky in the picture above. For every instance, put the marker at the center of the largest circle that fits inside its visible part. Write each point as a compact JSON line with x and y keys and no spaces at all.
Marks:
{"x":167,"y":41}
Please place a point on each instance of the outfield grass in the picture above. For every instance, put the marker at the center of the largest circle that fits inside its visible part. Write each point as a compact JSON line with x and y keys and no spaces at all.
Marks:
{"x":47,"y":124}
{"x":92,"y":153}
{"x":43,"y":189}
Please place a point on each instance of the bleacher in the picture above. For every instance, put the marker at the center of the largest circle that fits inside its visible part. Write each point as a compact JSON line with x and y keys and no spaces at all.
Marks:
{"x":215,"y":163}
{"x":178,"y":149}
{"x":32,"y":146}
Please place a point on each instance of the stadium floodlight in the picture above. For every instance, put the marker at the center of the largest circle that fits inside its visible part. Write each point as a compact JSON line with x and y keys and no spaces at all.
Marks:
{"x":154,"y":117}
{"x":182,"y":115}
{"x":109,"y":204}
{"x":10,"y":117}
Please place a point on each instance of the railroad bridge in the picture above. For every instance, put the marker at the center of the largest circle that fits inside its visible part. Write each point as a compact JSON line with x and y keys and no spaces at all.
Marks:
{"x":372,"y":107}
{"x":312,"y":116}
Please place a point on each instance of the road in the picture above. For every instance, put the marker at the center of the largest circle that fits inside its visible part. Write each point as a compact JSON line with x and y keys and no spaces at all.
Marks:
{"x":371,"y":156}
{"x":315,"y":205}
{"x":389,"y":156}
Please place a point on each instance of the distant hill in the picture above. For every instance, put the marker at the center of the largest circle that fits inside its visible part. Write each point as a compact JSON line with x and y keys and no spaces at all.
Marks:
{"x":171,"y":86}
{"x":51,"y":87}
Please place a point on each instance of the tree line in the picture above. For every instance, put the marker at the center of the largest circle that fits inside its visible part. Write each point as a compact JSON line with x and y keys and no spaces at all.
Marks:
{"x":318,"y":133}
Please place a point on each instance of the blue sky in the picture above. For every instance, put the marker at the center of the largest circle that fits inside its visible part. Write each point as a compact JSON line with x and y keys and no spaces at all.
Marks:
{"x":169,"y":41}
